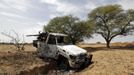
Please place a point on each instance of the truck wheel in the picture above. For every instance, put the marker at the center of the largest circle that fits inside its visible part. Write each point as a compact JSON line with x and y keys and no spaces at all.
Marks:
{"x":88,"y":60}
{"x":63,"y":64}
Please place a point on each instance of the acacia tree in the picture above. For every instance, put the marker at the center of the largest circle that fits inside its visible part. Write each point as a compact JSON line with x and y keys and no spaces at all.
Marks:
{"x":72,"y":26}
{"x":111,"y":20}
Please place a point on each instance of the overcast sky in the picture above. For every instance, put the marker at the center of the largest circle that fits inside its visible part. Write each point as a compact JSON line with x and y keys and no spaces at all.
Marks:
{"x":29,"y":16}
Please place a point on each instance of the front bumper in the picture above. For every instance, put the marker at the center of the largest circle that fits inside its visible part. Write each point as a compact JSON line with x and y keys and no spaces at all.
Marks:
{"x":82,"y":62}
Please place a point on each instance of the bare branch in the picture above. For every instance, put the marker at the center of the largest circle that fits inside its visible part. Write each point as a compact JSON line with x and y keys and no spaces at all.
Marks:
{"x":17,"y":41}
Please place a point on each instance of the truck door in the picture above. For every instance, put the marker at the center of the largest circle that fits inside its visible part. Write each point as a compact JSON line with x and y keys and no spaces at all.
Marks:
{"x":53,"y":50}
{"x":49,"y":49}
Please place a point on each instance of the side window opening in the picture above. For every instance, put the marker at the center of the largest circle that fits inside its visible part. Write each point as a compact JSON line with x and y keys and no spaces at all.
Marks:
{"x":60,"y":40}
{"x":51,"y":40}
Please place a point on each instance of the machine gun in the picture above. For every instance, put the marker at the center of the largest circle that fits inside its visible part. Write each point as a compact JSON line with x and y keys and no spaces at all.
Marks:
{"x":40,"y":37}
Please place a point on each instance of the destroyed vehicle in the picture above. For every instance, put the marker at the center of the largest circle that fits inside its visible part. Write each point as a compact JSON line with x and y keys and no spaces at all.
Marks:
{"x":51,"y":46}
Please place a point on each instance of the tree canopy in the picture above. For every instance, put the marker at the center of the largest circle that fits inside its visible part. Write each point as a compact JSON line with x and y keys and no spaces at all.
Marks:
{"x":111,"y":20}
{"x":72,"y":26}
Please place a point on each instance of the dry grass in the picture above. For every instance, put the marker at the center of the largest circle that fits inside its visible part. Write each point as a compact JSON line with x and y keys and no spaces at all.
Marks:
{"x":15,"y":62}
{"x":11,"y":48}
{"x":116,"y":61}
{"x":12,"y":62}
{"x":111,"y":62}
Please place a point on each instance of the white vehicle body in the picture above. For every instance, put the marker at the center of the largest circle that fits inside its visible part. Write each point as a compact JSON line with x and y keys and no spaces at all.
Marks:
{"x":51,"y":48}
{"x":72,"y":49}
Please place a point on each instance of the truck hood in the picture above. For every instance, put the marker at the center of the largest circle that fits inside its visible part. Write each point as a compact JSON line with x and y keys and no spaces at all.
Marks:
{"x":72,"y":49}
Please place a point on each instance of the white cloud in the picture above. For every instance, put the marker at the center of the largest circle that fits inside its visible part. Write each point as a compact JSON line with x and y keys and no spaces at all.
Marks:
{"x":90,"y":5}
{"x":65,"y":8}
{"x":20,"y":5}
{"x":127,"y":4}
{"x":70,"y":8}
{"x":42,"y":23}
{"x":51,"y":16}
{"x":12,"y":15}
{"x":3,"y":6}
{"x":50,"y":1}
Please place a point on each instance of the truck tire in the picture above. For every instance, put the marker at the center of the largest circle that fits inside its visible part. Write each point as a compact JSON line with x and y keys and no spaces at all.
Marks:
{"x":88,"y":60}
{"x":63,"y":63}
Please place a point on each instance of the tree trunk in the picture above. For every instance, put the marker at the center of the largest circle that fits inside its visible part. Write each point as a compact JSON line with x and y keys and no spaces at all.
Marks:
{"x":73,"y":42}
{"x":108,"y":43}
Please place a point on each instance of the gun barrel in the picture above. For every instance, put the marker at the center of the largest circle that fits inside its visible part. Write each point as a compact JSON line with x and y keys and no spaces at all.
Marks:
{"x":32,"y":35}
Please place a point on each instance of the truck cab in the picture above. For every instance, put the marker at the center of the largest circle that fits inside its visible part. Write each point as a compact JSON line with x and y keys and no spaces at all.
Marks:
{"x":52,"y":46}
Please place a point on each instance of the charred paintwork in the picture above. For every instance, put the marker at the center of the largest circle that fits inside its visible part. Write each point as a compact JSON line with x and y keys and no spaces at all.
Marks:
{"x":50,"y":46}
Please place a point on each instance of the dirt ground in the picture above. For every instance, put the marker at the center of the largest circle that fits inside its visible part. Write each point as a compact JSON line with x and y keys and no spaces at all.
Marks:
{"x":111,"y":62}
{"x":13,"y":62}
{"x":119,"y":60}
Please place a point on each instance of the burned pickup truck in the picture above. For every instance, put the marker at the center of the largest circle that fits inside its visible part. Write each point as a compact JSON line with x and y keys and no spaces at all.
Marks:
{"x":51,"y":46}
